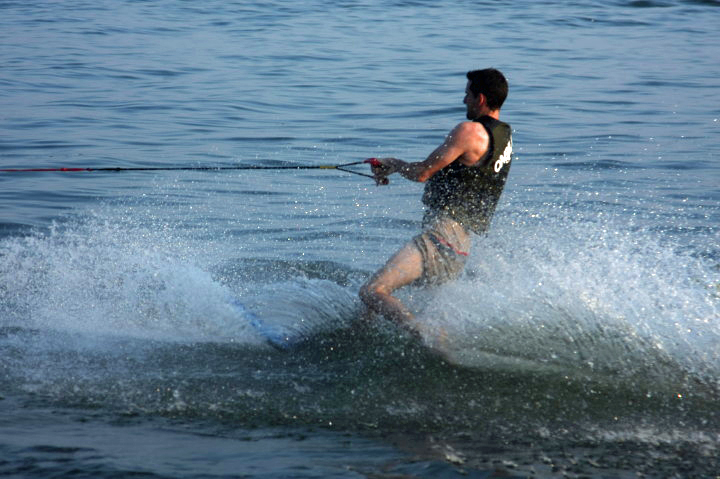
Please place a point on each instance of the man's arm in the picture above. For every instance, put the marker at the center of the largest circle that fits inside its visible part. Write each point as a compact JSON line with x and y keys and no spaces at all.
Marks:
{"x":467,"y":143}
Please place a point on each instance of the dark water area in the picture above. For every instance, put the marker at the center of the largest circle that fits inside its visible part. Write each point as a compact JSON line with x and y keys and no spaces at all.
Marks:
{"x":582,"y":341}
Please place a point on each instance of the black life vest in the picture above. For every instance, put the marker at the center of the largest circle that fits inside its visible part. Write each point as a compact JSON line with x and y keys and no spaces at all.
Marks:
{"x":469,"y":194}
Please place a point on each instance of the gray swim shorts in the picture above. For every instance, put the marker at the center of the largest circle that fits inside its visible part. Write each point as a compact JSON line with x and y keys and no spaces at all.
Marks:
{"x":444,"y":245}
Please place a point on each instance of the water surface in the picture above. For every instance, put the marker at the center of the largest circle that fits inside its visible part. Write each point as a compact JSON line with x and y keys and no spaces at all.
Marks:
{"x":581,"y":340}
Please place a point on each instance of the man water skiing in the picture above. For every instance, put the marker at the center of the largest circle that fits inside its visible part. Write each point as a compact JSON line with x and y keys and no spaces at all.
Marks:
{"x":463,"y":178}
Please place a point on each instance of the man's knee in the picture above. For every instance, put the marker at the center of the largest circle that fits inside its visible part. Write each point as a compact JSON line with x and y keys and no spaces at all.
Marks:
{"x":370,"y":292}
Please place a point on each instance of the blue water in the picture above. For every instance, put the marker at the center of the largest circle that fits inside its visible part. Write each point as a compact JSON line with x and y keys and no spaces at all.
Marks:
{"x":582,"y":340}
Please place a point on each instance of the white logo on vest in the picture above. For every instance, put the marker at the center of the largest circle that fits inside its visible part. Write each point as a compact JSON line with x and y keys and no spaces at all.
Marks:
{"x":504,"y":158}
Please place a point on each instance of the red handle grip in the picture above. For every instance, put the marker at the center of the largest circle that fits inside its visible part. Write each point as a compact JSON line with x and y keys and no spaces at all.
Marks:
{"x":374,"y":162}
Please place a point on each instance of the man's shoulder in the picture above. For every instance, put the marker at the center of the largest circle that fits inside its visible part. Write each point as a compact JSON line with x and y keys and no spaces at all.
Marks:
{"x":470,"y":133}
{"x":470,"y":140}
{"x":469,"y":128}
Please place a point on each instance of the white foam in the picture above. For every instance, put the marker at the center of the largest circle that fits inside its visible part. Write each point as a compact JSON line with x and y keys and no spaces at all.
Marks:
{"x":581,"y":296}
{"x":98,"y":277}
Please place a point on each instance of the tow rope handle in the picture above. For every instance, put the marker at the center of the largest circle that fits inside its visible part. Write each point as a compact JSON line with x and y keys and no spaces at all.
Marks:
{"x":375,"y":163}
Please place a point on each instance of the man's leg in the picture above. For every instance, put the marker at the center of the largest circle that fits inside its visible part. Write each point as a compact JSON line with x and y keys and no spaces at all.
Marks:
{"x":402,"y":268}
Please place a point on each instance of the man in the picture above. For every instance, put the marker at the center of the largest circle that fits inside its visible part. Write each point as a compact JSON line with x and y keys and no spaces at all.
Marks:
{"x":463,"y":178}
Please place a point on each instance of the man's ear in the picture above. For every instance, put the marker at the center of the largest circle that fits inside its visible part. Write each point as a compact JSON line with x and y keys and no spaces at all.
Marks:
{"x":481,"y":100}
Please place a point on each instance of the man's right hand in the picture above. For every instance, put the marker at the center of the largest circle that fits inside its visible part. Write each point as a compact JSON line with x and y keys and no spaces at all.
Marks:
{"x":381,"y":169}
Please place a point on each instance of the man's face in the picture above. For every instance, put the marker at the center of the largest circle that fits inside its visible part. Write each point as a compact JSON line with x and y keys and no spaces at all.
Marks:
{"x":471,"y":103}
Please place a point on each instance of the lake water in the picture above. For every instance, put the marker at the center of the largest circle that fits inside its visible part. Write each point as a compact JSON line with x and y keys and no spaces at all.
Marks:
{"x":582,"y":340}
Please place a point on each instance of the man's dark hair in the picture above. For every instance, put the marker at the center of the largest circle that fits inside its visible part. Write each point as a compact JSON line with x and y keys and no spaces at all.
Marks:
{"x":491,"y":83}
